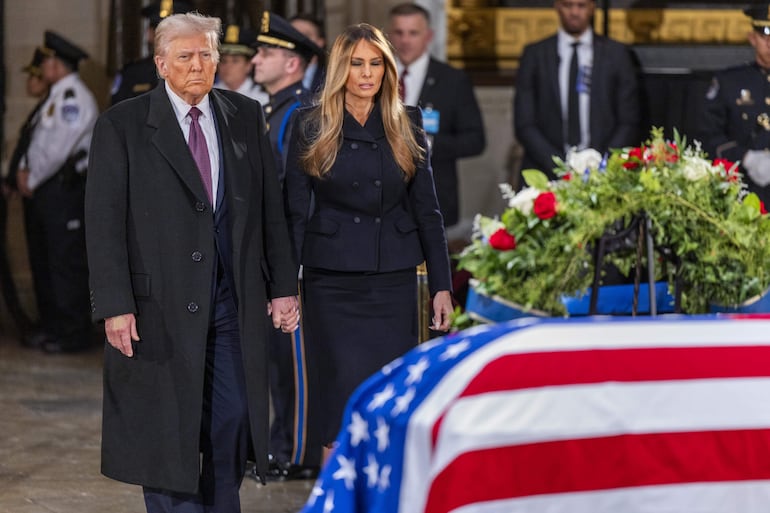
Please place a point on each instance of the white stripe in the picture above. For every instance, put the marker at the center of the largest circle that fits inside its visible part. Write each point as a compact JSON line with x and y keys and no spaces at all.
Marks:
{"x":503,"y":419}
{"x":672,"y":332}
{"x":724,"y":497}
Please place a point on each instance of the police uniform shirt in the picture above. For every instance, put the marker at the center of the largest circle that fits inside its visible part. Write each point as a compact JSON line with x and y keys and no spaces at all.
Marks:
{"x":66,"y":120}
{"x":414,"y":79}
{"x":276,"y":116}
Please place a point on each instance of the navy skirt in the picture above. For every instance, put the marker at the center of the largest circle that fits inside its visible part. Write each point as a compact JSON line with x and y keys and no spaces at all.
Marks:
{"x":354,"y":324}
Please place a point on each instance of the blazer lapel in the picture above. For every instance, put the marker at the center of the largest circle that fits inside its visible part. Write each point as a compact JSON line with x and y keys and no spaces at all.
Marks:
{"x":426,"y":93}
{"x":169,"y":140}
{"x":597,"y":91}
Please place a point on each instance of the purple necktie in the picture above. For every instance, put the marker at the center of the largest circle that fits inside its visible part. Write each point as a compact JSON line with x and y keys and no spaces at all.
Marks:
{"x":200,"y":151}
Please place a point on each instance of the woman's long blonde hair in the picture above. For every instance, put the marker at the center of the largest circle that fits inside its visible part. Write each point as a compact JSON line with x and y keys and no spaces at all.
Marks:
{"x":324,"y":128}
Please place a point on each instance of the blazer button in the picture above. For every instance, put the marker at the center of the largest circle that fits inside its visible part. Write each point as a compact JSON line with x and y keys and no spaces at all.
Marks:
{"x":197,"y":256}
{"x":354,"y":146}
{"x":377,"y":183}
{"x":356,"y":219}
{"x":355,"y":185}
{"x":376,"y":220}
{"x":200,"y":206}
{"x":374,"y":146}
{"x":192,"y":307}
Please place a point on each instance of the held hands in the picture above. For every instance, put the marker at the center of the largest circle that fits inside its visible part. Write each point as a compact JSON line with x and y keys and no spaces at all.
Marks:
{"x":285,"y":313}
{"x":442,"y":311}
{"x":121,"y":331}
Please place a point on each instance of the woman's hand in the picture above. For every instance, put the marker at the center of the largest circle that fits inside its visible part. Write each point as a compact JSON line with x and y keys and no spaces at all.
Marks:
{"x":442,"y":311}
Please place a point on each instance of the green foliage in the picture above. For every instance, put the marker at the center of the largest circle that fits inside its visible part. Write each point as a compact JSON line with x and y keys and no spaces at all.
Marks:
{"x":708,"y":231}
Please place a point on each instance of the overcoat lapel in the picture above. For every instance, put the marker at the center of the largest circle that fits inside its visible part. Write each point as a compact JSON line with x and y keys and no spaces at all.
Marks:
{"x":169,"y":140}
{"x":235,"y":162}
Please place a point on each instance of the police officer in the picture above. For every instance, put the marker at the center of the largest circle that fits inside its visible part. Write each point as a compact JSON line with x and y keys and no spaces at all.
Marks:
{"x":140,"y":76}
{"x":283,"y":54}
{"x":52,"y":176}
{"x":736,"y":124}
{"x":234,"y":71}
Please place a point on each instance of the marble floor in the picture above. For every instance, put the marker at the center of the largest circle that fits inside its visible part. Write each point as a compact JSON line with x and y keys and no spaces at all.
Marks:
{"x":50,"y":416}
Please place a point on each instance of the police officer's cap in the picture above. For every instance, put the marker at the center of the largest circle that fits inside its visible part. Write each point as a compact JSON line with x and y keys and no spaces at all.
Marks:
{"x":33,"y":68}
{"x":276,"y":31}
{"x":156,"y":11}
{"x":57,"y":46}
{"x":760,"y":17}
{"x":237,"y":41}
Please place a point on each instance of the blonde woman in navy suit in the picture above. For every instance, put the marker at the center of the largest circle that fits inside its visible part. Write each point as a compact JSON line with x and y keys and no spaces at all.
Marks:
{"x":362,"y":155}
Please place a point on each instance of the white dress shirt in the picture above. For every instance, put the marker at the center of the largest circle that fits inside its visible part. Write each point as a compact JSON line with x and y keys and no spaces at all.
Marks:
{"x":414,"y":79}
{"x":206,"y":121}
{"x":585,"y":64}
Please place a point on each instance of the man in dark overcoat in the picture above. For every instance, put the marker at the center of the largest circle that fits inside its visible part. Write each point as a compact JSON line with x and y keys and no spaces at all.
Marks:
{"x":187,"y":254}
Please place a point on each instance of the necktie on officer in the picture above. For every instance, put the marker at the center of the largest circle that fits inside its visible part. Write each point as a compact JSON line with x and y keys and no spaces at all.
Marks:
{"x":573,"y":101}
{"x":200,"y":151}
{"x":401,"y":86}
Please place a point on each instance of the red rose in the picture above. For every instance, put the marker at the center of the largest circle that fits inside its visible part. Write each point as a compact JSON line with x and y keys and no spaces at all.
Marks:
{"x":731,"y":169}
{"x":502,"y":240}
{"x":762,"y":209}
{"x":545,"y":205}
{"x":672,"y":153}
{"x":635,"y":158}
{"x":567,"y":177}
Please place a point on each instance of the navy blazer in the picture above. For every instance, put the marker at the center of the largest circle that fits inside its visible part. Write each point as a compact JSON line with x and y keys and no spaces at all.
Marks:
{"x":366,"y":217}
{"x":537,"y":114}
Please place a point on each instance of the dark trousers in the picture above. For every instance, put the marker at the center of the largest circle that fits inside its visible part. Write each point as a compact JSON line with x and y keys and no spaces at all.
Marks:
{"x":225,"y":424}
{"x":57,"y":254}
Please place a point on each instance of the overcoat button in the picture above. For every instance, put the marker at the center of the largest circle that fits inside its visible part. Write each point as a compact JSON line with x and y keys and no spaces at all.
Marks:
{"x":374,"y":146}
{"x":356,"y":219}
{"x":192,"y":307}
{"x":377,"y":220}
{"x":200,"y":206}
{"x":355,"y":185}
{"x":377,"y":183}
{"x":354,"y":146}
{"x":197,"y":256}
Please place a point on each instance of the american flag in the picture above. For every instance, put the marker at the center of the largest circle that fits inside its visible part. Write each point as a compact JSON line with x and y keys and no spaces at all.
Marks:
{"x":600,"y":415}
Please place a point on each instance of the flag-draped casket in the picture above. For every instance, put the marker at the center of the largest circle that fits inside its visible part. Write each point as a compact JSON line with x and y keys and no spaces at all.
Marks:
{"x":542,"y":415}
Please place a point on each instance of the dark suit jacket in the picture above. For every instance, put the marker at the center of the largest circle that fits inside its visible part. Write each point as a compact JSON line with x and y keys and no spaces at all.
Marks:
{"x":449,"y":91}
{"x":151,"y":250}
{"x":366,"y":217}
{"x":614,"y":105}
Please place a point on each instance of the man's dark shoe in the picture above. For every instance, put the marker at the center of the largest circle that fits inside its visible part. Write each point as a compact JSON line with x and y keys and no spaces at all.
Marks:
{"x":35,"y":339}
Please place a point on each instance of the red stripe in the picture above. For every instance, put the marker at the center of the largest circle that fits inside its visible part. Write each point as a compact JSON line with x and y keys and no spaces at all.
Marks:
{"x":600,"y":464}
{"x":529,"y":370}
{"x":558,"y":368}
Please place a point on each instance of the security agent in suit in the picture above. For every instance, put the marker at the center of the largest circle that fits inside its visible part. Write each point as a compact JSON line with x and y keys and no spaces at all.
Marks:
{"x":450,"y":112}
{"x":140,"y":76}
{"x":736,"y":113}
{"x":187,"y":245}
{"x":279,"y":66}
{"x":234,"y":71}
{"x":606,"y":86}
{"x":52,"y":176}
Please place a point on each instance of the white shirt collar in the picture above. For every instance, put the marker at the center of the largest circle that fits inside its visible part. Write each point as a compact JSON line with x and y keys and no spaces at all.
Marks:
{"x":181,"y":107}
{"x":415,"y":78}
{"x":565,"y":40}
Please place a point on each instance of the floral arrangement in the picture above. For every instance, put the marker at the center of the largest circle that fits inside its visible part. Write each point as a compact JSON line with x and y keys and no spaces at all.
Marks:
{"x":711,"y":236}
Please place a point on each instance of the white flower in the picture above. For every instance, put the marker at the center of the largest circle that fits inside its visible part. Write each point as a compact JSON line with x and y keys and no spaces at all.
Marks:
{"x":695,"y":168}
{"x":524,"y":200}
{"x":580,"y":161}
{"x":488,"y":226}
